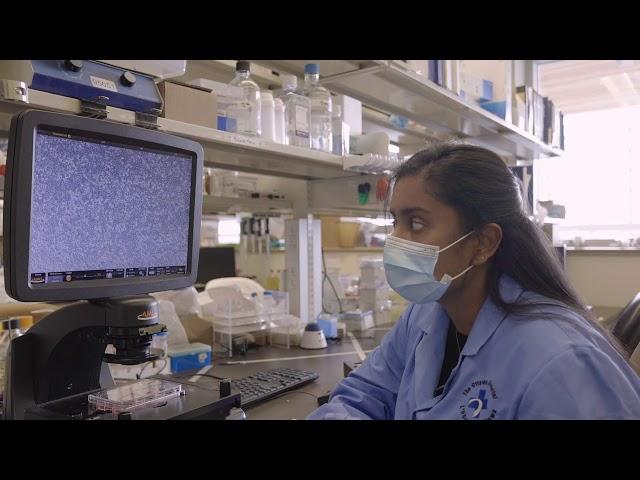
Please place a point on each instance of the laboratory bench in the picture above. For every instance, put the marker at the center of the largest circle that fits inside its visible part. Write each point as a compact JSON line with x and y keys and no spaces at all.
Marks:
{"x":296,"y":404}
{"x":329,"y":363}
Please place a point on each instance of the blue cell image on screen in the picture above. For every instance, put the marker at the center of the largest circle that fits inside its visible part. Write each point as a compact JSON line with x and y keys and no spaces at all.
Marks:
{"x":102,"y":207}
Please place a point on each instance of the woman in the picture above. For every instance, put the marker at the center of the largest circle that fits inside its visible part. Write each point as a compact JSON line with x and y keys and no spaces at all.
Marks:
{"x":495,"y":330}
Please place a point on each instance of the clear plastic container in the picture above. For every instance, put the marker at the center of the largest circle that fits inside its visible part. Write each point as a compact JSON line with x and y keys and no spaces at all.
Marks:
{"x":321,"y":108}
{"x":279,"y":119}
{"x":247,"y":110}
{"x":340,"y":132}
{"x":372,"y":273}
{"x":374,"y":290}
{"x":358,"y":320}
{"x":268,"y":116}
{"x":134,"y":396}
{"x":297,"y":112}
{"x":262,"y":318}
{"x":160,"y":342}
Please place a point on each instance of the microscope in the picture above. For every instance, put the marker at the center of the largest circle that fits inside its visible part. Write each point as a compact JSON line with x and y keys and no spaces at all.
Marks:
{"x":99,"y":214}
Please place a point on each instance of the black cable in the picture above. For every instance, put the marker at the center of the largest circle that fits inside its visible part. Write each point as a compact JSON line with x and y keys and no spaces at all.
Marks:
{"x":327,"y":277}
{"x":202,"y":375}
{"x":226,"y":350}
{"x":324,"y":279}
{"x":139,"y":374}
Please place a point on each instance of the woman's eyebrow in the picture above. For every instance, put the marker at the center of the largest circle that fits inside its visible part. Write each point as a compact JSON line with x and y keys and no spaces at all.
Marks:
{"x":409,"y":211}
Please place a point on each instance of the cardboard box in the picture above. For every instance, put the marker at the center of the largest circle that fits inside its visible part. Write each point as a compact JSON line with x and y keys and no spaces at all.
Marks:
{"x":189,"y":104}
{"x":226,"y":97}
{"x":330,"y":231}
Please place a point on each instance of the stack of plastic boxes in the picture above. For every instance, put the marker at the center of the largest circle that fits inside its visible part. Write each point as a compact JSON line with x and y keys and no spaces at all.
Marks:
{"x":238,"y":321}
{"x":374,"y":290}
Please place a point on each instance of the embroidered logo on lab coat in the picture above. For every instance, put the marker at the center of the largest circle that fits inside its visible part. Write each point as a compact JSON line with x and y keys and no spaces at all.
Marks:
{"x":478,"y":400}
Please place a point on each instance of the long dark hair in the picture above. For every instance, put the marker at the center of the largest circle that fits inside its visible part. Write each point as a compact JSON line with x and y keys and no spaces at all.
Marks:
{"x":481,"y":188}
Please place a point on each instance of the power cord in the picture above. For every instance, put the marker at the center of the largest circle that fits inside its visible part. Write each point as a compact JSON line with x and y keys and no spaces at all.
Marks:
{"x":327,"y":277}
{"x":139,"y":374}
{"x":202,"y":375}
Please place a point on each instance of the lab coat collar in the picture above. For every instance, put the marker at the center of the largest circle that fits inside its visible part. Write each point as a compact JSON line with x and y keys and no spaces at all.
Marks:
{"x":431,"y":348}
{"x":489,"y":317}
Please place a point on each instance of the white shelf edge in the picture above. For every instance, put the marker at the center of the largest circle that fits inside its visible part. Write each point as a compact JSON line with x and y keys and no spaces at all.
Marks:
{"x":424,"y":83}
{"x":402,"y":77}
{"x":212,"y":136}
{"x":277,"y":160}
{"x":213,"y":204}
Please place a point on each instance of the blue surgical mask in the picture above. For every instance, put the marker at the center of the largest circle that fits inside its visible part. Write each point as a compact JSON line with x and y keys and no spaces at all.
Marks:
{"x":410,"y":265}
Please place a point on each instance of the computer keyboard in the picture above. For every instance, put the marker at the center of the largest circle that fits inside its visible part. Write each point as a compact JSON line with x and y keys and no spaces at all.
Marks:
{"x":264,"y":385}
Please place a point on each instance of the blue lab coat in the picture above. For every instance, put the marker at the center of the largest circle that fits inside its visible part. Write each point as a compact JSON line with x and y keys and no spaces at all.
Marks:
{"x":552,"y":365}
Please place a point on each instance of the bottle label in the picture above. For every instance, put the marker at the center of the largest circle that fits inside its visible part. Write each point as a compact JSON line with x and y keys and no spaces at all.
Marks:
{"x":302,"y":121}
{"x":321,"y":104}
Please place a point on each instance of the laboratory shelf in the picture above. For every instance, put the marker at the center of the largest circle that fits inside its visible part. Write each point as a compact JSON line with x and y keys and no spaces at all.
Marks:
{"x":222,"y":149}
{"x":255,"y":155}
{"x":213,"y":204}
{"x":388,"y":86}
{"x":372,"y":120}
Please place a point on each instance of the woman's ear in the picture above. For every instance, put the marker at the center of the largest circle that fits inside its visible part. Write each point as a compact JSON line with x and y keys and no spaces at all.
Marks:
{"x":489,"y":238}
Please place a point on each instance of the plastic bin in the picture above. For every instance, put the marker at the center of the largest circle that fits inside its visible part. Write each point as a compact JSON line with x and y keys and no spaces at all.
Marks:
{"x":191,"y":356}
{"x":238,"y":320}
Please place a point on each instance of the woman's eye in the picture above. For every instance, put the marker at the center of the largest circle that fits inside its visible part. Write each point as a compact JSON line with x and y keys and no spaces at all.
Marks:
{"x":416,"y":225}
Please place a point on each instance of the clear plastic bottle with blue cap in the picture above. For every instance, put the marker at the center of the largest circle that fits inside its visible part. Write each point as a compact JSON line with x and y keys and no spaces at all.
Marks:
{"x":247,"y":110}
{"x":321,"y":108}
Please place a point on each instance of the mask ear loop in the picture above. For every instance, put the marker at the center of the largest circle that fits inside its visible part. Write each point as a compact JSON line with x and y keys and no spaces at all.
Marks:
{"x":459,"y":240}
{"x":451,"y":279}
{"x":460,"y":274}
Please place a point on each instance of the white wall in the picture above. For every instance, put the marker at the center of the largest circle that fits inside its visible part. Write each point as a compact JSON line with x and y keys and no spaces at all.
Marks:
{"x":259,"y":265}
{"x":604,"y":279}
{"x":607,"y":279}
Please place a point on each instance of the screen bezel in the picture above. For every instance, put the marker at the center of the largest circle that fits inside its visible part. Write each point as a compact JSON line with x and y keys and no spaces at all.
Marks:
{"x":18,"y":190}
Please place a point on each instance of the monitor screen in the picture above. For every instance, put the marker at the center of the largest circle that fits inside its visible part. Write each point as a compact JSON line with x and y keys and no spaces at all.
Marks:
{"x":216,"y":262}
{"x":100,"y":210}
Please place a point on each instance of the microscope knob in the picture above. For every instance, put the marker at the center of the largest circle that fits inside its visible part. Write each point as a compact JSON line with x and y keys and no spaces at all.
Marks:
{"x":73,"y":65}
{"x":128,"y":79}
{"x":225,"y":388}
